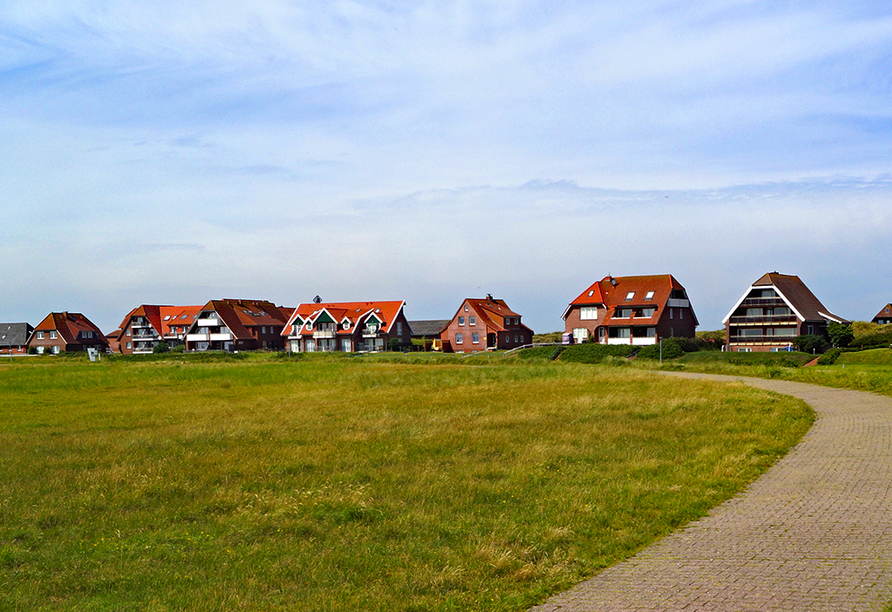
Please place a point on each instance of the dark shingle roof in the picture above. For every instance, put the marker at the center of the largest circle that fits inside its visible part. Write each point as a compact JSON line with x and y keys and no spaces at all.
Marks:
{"x":14,"y":334}
{"x":427,"y":328}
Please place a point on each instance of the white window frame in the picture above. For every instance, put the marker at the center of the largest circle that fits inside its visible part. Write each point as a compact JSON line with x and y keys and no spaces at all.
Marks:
{"x":472,"y":320}
{"x":588,"y":313}
{"x":475,"y":338}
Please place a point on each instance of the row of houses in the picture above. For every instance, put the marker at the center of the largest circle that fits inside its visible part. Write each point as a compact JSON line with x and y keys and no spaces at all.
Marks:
{"x":636,"y":310}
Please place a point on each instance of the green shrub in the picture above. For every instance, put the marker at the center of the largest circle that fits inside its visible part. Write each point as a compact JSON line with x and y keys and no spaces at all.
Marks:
{"x":589,"y":352}
{"x":671,"y":349}
{"x":811,"y":344}
{"x":160,"y":347}
{"x":830,"y":357}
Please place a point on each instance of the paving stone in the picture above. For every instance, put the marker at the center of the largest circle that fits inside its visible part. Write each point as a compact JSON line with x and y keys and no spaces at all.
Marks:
{"x":813,"y":534}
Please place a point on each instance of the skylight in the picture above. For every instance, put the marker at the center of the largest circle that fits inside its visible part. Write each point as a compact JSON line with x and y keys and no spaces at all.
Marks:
{"x":630,"y":295}
{"x":649,"y":296}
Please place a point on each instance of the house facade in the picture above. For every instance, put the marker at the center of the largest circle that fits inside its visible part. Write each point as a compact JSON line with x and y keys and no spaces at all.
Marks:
{"x":148,"y":324}
{"x":236,"y":325}
{"x":772,"y":312}
{"x":884,"y":317}
{"x":483,"y":324}
{"x":346,"y":327}
{"x":14,"y":338}
{"x":66,"y":332}
{"x":637,"y":310}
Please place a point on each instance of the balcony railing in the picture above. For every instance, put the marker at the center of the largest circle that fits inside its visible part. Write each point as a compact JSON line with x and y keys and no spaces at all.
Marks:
{"x":765,"y":319}
{"x":783,"y":340}
{"x":370,"y":332}
{"x":762,"y":302}
{"x":324,"y":334}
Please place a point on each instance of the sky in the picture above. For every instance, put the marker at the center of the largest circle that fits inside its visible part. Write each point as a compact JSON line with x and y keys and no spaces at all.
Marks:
{"x":176,"y":152}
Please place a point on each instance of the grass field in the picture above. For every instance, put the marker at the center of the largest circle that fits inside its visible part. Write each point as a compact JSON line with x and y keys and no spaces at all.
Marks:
{"x":414,"y":483}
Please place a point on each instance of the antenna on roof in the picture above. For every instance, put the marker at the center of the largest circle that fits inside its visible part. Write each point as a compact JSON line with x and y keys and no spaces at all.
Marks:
{"x":317,"y":300}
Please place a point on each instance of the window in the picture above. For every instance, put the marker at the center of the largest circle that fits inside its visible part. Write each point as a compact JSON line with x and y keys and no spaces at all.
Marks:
{"x":55,"y":350}
{"x":744,"y":349}
{"x":671,"y":313}
{"x":750,"y":331}
{"x":128,"y":345}
{"x":461,"y":320}
{"x":459,"y":338}
{"x":87,"y":334}
{"x":649,"y":296}
{"x":472,"y":320}
{"x":466,"y":308}
{"x":580,"y":334}
{"x":399,"y":327}
{"x":588,"y":313}
{"x":811,"y":330}
{"x":53,"y":335}
{"x":263,"y":329}
{"x":40,"y":335}
{"x":515,"y":340}
{"x":630,"y":295}
{"x":475,"y":338}
{"x":167,"y":318}
{"x":754,"y":312}
{"x":681,"y":313}
{"x":648,"y":312}
{"x":620,"y":332}
{"x":591,"y":292}
{"x":623,"y":313}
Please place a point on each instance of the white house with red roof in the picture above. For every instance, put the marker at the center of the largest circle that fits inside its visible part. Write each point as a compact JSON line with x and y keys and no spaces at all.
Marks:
{"x":346,"y":326}
{"x":638,"y":310}
{"x":482,"y":324}
{"x":68,"y":332}
{"x":884,"y":316}
{"x":237,"y":325}
{"x":148,"y":324}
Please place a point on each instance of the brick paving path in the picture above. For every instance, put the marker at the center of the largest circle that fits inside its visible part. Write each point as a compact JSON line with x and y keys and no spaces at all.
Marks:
{"x":813,"y":533}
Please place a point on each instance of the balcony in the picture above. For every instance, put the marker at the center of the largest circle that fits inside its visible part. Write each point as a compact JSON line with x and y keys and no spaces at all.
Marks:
{"x":370,"y":332}
{"x":324,"y":334}
{"x":208,"y":322}
{"x":773,"y":340}
{"x":763,"y":320}
{"x":138,"y":323}
{"x":763,"y":302}
{"x":198,"y":337}
{"x":676,"y":303}
{"x":221,"y":337}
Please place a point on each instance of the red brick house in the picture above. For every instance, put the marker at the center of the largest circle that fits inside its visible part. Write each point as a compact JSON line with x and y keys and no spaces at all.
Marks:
{"x":884,"y":317}
{"x":482,"y":324}
{"x":772,"y":312}
{"x":638,"y":310}
{"x":67,"y":332}
{"x":14,"y":338}
{"x":346,"y":327}
{"x":148,"y":324}
{"x":237,"y":325}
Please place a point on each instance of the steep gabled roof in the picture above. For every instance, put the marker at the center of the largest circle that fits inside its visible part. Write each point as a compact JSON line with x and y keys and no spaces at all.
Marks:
{"x":177,"y":316}
{"x":886,"y":311}
{"x":492,"y":312}
{"x":611,"y":292}
{"x":239,"y":315}
{"x":795,"y":294}
{"x":69,"y":325}
{"x":355,"y":312}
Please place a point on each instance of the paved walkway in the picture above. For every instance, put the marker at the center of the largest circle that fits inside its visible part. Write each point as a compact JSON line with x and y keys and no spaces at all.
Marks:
{"x":813,"y":533}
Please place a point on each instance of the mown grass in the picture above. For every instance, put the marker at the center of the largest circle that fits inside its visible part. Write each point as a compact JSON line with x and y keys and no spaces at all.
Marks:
{"x":869,"y":370}
{"x":374,"y":483}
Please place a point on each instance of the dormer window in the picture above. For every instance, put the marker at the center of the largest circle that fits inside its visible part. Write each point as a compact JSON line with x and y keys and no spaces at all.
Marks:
{"x":346,"y":325}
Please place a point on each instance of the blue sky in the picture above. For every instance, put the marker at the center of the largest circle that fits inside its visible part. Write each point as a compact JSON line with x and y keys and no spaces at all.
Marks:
{"x":174,"y":153}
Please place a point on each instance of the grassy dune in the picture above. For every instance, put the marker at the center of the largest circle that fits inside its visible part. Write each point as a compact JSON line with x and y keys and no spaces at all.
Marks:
{"x":353,"y":484}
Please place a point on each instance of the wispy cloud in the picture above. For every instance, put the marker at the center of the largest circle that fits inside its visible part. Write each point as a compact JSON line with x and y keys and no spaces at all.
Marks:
{"x":522,"y":147}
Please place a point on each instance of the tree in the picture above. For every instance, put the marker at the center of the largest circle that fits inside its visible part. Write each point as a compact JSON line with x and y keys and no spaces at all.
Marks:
{"x":840,"y":335}
{"x":811,"y":344}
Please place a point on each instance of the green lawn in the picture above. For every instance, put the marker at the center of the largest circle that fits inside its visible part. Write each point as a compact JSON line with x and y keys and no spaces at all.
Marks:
{"x":391,"y":483}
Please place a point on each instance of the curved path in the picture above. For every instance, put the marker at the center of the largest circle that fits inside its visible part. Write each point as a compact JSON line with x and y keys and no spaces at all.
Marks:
{"x":813,"y":533}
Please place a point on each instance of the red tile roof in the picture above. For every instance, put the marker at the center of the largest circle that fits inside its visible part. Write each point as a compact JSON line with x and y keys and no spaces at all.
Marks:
{"x":69,"y":325}
{"x":354,"y":312}
{"x":614,"y":292}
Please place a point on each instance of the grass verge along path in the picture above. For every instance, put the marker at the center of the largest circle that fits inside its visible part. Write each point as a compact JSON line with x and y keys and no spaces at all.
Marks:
{"x":346,"y":484}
